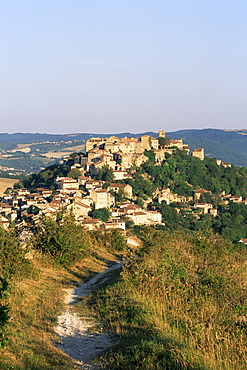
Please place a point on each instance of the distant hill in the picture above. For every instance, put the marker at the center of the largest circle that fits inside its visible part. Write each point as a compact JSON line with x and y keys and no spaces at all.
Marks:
{"x":229,"y":146}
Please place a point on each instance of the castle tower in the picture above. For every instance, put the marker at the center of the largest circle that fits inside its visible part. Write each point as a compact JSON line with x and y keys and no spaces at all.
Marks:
{"x":162,"y":133}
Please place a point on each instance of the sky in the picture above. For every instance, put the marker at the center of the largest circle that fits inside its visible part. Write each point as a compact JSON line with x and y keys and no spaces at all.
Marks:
{"x":111,"y":66}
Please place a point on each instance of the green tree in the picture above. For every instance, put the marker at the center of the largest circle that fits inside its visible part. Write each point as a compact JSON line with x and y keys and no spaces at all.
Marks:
{"x":139,"y":202}
{"x":150,"y":155}
{"x":46,"y":175}
{"x":101,"y":213}
{"x":170,"y":216}
{"x":34,"y":210}
{"x":117,"y":240}
{"x":73,"y":155}
{"x":106,"y":174}
{"x":74,"y":173}
{"x":12,"y":257}
{"x":119,"y":196}
{"x":129,"y":223}
{"x":163,"y":141}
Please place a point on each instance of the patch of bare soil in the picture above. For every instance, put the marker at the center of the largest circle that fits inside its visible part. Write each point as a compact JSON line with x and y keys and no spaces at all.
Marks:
{"x":82,"y":338}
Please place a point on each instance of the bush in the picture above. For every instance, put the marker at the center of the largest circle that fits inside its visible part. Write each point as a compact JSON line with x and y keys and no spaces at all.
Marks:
{"x":101,"y":213}
{"x":117,"y":241}
{"x":63,"y":239}
{"x":4,"y":309}
{"x":12,"y":256}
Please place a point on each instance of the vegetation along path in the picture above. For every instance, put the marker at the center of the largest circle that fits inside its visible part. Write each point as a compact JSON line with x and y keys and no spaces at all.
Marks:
{"x":81,"y":337}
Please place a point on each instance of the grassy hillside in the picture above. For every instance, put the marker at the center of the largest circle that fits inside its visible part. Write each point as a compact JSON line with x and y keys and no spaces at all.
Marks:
{"x":182,"y":305}
{"x":37,"y":282}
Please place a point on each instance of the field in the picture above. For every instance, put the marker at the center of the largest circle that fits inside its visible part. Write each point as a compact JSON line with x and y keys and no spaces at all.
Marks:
{"x":5,"y":183}
{"x":64,"y":152}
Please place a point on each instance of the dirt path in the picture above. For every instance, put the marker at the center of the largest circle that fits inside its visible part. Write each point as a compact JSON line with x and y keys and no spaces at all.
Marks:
{"x":82,"y":338}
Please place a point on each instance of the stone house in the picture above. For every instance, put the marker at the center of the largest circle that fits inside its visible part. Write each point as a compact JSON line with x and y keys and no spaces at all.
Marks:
{"x":138,"y":159}
{"x":125,"y":188}
{"x":149,"y":142}
{"x":66,"y":183}
{"x":121,"y":175}
{"x":166,"y":195}
{"x":93,"y":184}
{"x":79,"y":208}
{"x":5,"y":209}
{"x":126,"y":160}
{"x":204,"y":207}
{"x":154,"y":216}
{"x":117,"y":224}
{"x":83,"y":179}
{"x":139,"y":218}
{"x":131,"y":208}
{"x":199,"y":153}
{"x":101,"y":198}
{"x":199,"y":192}
{"x":4,"y":222}
{"x":146,"y":217}
{"x":226,"y":164}
{"x":176,"y":143}
{"x":159,"y":155}
{"x":92,"y":224}
{"x":94,"y":142}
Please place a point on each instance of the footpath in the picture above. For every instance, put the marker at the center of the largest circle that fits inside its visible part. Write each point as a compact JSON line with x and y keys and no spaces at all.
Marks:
{"x":82,"y":337}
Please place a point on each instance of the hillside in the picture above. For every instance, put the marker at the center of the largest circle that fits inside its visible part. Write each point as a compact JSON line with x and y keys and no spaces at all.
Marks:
{"x":182,"y":191}
{"x":23,"y":153}
{"x":181,"y":306}
{"x":229,"y":146}
{"x":179,"y":302}
{"x":5,"y":183}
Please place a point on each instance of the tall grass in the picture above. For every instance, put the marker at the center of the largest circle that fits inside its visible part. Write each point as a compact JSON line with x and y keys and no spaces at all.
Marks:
{"x":35,"y":302}
{"x":181,"y":306}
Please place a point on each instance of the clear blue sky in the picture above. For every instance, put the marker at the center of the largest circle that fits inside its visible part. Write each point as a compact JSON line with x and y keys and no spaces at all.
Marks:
{"x":122,"y":65}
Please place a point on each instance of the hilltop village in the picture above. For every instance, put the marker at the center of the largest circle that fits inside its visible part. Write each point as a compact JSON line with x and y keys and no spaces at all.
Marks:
{"x":83,"y":194}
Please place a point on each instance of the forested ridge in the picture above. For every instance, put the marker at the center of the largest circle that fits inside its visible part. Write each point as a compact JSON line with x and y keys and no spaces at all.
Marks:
{"x":184,"y":175}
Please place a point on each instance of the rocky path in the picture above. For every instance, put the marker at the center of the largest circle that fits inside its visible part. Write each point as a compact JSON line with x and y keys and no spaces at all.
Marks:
{"x":80,"y":337}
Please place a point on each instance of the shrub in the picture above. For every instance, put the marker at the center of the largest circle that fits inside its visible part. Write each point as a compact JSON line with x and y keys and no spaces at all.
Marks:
{"x":63,"y":239}
{"x":4,"y":309}
{"x":12,"y":256}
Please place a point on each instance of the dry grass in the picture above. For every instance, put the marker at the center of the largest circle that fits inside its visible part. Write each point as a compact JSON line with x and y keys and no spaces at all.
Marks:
{"x":5,"y":183}
{"x":35,"y":304}
{"x":186,"y":297}
{"x":193,"y":314}
{"x":64,"y":152}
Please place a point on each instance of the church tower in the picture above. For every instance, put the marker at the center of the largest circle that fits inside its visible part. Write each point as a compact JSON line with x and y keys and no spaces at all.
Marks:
{"x":162,"y":133}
